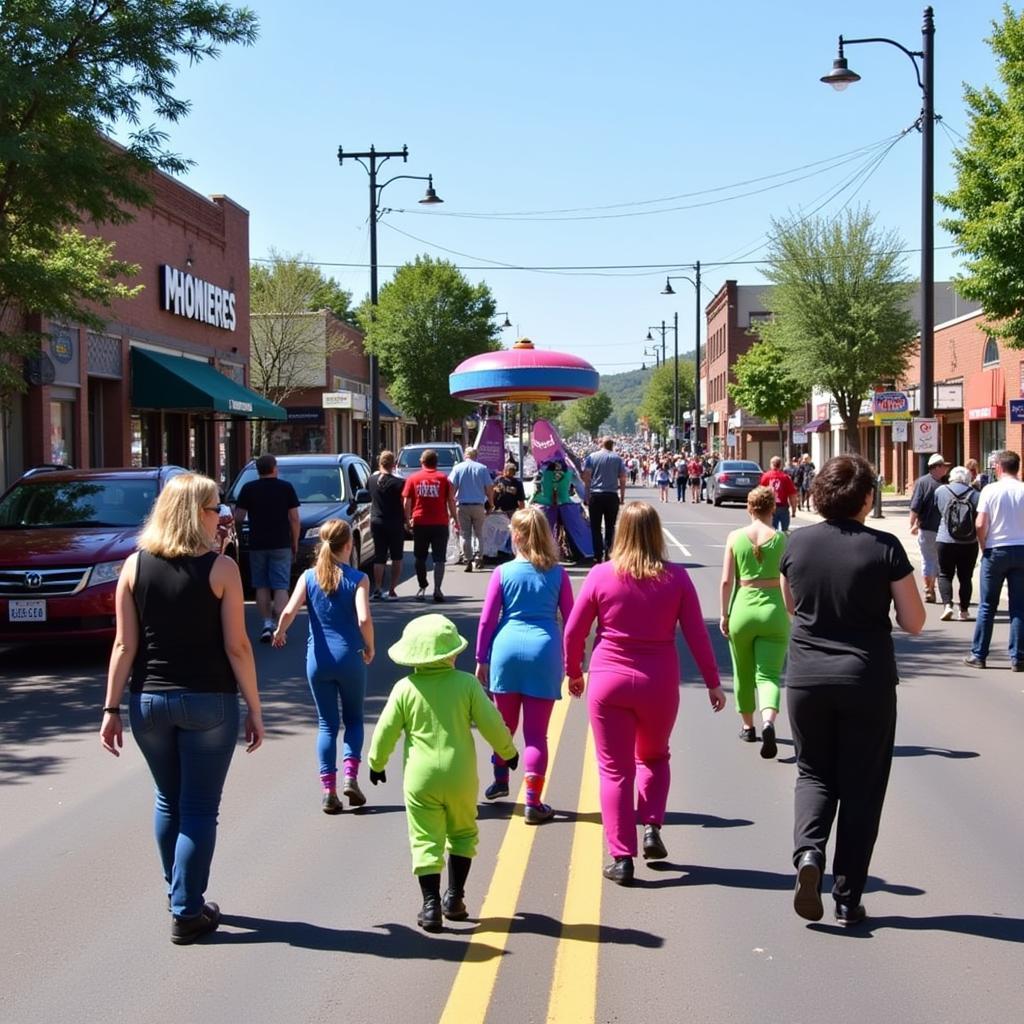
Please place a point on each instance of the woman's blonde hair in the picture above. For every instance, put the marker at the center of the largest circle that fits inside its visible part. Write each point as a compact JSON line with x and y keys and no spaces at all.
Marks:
{"x":174,"y":527}
{"x":761,"y":501}
{"x":639,"y":546}
{"x":532,"y":537}
{"x":334,"y":535}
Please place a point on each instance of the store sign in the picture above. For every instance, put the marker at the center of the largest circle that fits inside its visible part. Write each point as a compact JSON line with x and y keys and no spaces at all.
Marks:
{"x":1017,"y":410}
{"x":799,"y":437}
{"x":195,"y":299}
{"x":949,"y":396}
{"x":887,"y":406}
{"x":343,"y":400}
{"x":900,"y":431}
{"x":311,"y":414}
{"x":238,"y":406}
{"x":926,"y":435}
{"x":986,"y":412}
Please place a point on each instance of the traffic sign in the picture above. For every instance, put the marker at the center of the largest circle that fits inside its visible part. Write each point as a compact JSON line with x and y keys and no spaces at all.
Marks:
{"x":926,"y":435}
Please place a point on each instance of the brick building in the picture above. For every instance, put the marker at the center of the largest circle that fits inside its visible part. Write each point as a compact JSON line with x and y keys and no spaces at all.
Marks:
{"x":165,"y":380}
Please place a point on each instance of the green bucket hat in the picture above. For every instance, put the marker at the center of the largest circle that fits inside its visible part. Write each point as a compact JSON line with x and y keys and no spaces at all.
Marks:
{"x":426,"y":639}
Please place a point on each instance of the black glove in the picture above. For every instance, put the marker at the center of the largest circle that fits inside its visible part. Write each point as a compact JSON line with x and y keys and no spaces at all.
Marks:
{"x":376,"y":777}
{"x":513,"y":762}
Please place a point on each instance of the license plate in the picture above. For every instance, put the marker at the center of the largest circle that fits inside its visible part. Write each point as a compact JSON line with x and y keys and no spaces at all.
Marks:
{"x":26,"y":611}
{"x":743,"y":479}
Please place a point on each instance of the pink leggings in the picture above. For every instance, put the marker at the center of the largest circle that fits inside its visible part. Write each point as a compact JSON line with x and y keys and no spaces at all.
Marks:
{"x":632,"y":715}
{"x":536,"y":715}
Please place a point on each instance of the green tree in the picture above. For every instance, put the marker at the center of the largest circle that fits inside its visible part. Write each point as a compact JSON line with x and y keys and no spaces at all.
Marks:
{"x":839,"y":306}
{"x":766,"y":387}
{"x":428,"y":319}
{"x":69,"y":71}
{"x":658,"y":401}
{"x":587,"y":414}
{"x":988,"y":201}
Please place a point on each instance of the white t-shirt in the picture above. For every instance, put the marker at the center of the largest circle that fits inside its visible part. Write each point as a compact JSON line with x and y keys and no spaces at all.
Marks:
{"x":1003,"y":503}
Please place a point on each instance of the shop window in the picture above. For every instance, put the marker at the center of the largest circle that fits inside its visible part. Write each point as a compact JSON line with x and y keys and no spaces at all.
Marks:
{"x":991,"y":357}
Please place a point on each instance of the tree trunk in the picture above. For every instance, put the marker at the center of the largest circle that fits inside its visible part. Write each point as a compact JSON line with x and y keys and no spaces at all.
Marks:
{"x":852,"y":425}
{"x":782,"y":443}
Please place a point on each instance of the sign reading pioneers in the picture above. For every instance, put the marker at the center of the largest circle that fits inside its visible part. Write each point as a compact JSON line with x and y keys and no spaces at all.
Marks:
{"x":188,"y":296}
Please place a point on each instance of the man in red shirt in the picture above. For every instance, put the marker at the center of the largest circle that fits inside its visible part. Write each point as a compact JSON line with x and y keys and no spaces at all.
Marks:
{"x":694,"y":471}
{"x":785,"y":493}
{"x":429,"y":507}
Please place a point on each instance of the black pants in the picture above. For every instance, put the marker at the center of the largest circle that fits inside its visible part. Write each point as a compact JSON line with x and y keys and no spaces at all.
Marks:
{"x":957,"y":560}
{"x":428,"y":538}
{"x":844,"y":737}
{"x":603,"y":507}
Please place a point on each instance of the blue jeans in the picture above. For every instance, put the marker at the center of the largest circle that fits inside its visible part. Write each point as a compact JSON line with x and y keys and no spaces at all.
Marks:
{"x":187,"y":740}
{"x":780,"y":521}
{"x":997,"y":565}
{"x":344,"y":684}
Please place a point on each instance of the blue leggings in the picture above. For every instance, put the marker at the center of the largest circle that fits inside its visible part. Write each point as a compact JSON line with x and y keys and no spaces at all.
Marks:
{"x":343,"y":683}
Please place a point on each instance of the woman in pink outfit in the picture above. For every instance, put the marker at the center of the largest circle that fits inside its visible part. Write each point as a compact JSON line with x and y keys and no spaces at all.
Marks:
{"x":633,"y":697}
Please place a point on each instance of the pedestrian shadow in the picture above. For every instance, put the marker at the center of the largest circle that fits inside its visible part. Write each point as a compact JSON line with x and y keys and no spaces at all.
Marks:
{"x":746,"y":878}
{"x":671,"y":818}
{"x":391,"y":942}
{"x":374,"y":809}
{"x":1002,"y":929}
{"x":905,"y":750}
{"x":527,"y":923}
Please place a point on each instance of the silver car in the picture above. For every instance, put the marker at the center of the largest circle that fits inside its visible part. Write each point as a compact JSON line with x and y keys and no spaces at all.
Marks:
{"x":733,"y":480}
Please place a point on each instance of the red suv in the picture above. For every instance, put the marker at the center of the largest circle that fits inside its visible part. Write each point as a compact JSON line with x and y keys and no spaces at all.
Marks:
{"x":64,"y":535}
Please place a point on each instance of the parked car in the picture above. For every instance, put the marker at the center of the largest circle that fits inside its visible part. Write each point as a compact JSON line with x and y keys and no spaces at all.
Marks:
{"x":408,"y":462}
{"x":328,"y":487}
{"x":64,"y":536}
{"x":733,"y":480}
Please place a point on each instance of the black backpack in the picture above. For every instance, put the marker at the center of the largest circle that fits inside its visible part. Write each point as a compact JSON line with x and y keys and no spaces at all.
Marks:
{"x":959,"y":517}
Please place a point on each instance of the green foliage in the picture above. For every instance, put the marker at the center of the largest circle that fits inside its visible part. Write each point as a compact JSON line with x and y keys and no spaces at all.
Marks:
{"x":765,"y":385}
{"x":587,"y":414}
{"x":328,"y":294}
{"x":657,"y":403}
{"x":988,"y":201}
{"x":290,"y":283}
{"x":69,"y":71}
{"x":428,"y":319}
{"x":840,"y":307}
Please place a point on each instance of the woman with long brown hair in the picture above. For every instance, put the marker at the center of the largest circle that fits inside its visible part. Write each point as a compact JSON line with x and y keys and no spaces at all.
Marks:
{"x":638,"y":599}
{"x":339,"y":648}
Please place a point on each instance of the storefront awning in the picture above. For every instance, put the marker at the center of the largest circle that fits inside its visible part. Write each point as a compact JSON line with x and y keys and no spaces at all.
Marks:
{"x":815,"y":425}
{"x":161,"y":381}
{"x":387,"y":413}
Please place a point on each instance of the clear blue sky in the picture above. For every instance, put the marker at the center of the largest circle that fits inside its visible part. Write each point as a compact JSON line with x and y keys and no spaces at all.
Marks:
{"x":542,"y":107}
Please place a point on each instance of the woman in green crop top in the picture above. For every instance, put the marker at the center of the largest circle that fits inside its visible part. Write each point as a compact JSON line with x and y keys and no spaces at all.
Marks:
{"x":754,"y":617}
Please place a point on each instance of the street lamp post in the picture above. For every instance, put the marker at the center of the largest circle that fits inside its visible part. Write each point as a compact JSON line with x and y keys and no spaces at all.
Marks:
{"x":839,"y":78}
{"x":372,"y":161}
{"x":669,"y":290}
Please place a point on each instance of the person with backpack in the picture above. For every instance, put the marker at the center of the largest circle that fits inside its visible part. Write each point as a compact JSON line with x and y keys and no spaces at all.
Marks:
{"x":957,"y":541}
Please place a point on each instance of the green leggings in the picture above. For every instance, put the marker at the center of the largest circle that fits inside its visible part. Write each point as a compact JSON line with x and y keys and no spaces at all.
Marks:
{"x":758,"y":638}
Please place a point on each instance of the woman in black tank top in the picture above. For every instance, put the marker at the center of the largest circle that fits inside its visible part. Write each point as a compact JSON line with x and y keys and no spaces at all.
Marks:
{"x":181,"y":637}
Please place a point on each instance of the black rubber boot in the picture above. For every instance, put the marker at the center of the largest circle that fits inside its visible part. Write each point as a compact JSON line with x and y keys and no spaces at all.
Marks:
{"x":454,"y":905}
{"x":429,"y":917}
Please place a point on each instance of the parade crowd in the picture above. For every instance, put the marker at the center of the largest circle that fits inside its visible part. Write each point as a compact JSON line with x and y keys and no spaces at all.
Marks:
{"x":818,"y":601}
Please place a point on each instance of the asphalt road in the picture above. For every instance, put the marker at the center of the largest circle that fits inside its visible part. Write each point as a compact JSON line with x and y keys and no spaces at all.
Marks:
{"x":319,"y":912}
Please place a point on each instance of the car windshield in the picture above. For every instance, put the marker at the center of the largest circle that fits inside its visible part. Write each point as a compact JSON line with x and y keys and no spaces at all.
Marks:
{"x":41,"y":502}
{"x":312,"y":483}
{"x":739,"y":467}
{"x":409,"y":458}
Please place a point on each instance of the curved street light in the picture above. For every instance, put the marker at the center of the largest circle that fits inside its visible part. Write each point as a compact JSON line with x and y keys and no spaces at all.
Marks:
{"x":669,"y":290}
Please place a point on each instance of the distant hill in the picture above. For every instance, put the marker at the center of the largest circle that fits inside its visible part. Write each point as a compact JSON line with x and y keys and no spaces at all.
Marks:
{"x":626,"y":390}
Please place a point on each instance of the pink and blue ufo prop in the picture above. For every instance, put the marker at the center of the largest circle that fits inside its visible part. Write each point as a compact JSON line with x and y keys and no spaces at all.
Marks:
{"x":523,"y":374}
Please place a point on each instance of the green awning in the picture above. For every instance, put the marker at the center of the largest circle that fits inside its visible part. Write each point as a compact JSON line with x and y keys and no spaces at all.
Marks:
{"x":161,"y":381}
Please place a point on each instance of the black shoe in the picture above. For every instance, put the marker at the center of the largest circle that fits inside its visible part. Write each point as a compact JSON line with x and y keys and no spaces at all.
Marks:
{"x":654,"y":847}
{"x":1018,"y":666}
{"x":266,"y":634}
{"x":748,"y":735}
{"x":850,"y":917}
{"x":769,"y":748}
{"x":619,"y":871}
{"x":429,"y":917}
{"x":438,"y":597}
{"x":185,"y":930}
{"x":807,"y":897}
{"x":495,"y":790}
{"x":469,"y":567}
{"x":974,"y":662}
{"x":453,"y":906}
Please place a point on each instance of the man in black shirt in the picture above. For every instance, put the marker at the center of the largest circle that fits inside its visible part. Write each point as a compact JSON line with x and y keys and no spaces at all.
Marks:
{"x":272,"y":507}
{"x":387,"y":525}
{"x":508,"y":491}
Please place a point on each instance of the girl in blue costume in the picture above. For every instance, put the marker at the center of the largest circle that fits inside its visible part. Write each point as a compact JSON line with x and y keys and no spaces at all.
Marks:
{"x":339,"y":648}
{"x":519,"y":650}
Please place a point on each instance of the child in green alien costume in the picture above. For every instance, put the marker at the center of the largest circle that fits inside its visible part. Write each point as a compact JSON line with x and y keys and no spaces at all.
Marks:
{"x":434,"y":706}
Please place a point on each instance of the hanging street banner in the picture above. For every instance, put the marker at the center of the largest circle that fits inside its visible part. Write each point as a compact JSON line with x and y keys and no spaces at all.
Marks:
{"x":890,"y":406}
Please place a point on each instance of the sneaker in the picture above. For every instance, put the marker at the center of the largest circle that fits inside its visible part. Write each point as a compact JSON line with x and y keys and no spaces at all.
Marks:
{"x":353,"y":792}
{"x":376,"y":595}
{"x":947,"y":613}
{"x":429,"y":917}
{"x":654,"y":846}
{"x":329,"y":802}
{"x":972,"y":662}
{"x":421,"y":594}
{"x":267,"y":634}
{"x":964,"y":616}
{"x":453,"y":906}
{"x":438,"y":597}
{"x":495,"y":790}
{"x":769,"y":748}
{"x":929,"y":597}
{"x":748,"y":735}
{"x":186,"y":930}
{"x":392,"y":596}
{"x":534,"y":814}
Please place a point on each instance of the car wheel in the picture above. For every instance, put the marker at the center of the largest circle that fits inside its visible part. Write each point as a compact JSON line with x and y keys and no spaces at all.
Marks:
{"x":353,"y":558}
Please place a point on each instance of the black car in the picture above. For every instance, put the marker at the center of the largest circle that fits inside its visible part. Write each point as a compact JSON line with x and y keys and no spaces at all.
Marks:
{"x":328,"y":487}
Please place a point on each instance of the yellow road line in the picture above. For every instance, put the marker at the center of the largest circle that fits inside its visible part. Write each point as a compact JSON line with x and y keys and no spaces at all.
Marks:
{"x":574,"y":986}
{"x":471,"y":991}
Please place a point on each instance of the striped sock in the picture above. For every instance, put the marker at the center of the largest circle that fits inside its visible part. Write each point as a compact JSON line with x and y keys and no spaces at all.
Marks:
{"x":329,"y":781}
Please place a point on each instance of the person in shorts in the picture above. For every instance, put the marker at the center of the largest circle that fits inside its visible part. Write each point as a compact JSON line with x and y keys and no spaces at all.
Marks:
{"x":429,"y":508}
{"x":272,"y":508}
{"x":387,"y":525}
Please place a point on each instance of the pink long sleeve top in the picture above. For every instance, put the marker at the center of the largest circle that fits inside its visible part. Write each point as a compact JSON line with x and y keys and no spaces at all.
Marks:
{"x":637,"y":619}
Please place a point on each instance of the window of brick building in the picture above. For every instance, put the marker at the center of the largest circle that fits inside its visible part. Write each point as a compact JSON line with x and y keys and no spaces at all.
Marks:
{"x":991,"y":357}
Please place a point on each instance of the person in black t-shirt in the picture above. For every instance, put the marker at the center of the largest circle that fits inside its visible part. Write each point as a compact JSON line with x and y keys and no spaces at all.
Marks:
{"x":272,"y":507}
{"x":508,"y":491}
{"x":840,"y":579}
{"x":387,"y":525}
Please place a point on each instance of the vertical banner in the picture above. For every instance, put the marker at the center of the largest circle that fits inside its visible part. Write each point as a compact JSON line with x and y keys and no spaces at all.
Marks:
{"x":490,"y":444}
{"x":547,"y":445}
